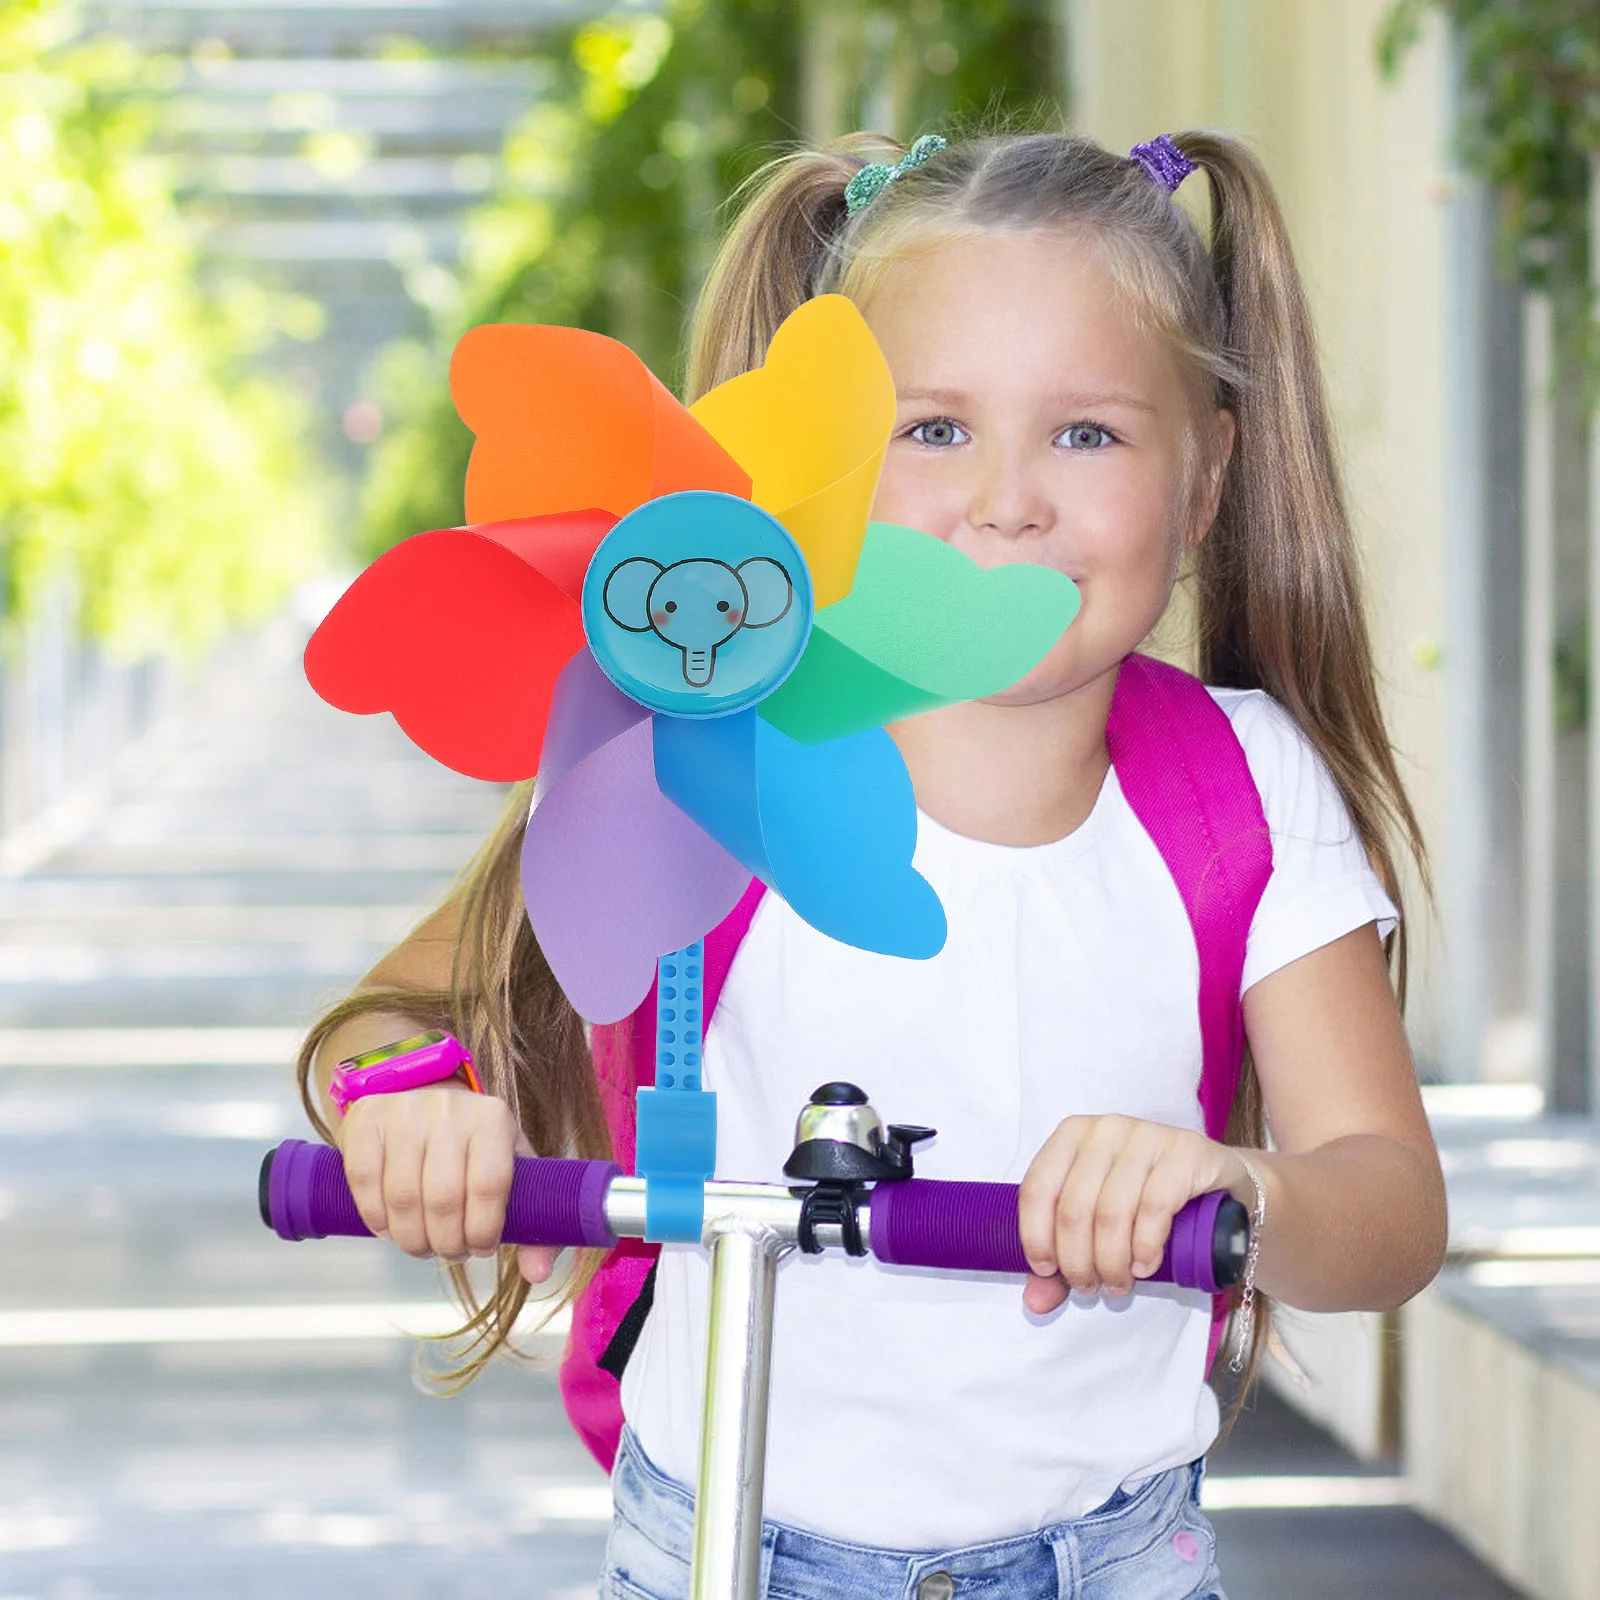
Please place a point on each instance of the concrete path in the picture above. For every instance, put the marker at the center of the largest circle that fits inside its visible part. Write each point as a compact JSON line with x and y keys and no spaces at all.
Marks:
{"x":189,"y":1407}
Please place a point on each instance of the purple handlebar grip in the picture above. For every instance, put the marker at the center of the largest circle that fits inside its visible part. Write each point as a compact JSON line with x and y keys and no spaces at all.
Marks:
{"x":923,"y":1222}
{"x":552,"y":1201}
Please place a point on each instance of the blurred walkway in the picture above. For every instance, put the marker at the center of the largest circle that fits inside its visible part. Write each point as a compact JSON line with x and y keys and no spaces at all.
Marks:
{"x":273,"y":1444}
{"x":189,"y":1407}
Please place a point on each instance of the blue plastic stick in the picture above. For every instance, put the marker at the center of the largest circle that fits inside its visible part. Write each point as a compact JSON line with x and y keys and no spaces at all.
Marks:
{"x":677,"y":1120}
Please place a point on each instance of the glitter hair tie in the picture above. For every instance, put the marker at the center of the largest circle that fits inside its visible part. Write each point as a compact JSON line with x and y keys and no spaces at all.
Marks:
{"x":874,"y":178}
{"x":1163,"y":161}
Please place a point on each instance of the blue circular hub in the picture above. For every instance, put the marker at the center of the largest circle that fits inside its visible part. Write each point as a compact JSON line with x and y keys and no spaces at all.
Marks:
{"x":697,"y":604}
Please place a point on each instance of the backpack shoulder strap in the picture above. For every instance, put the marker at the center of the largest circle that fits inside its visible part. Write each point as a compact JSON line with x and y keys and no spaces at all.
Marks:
{"x":1184,"y":774}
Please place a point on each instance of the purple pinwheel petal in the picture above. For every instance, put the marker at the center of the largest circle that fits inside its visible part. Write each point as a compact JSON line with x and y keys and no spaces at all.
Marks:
{"x":615,"y":875}
{"x":587,"y":710}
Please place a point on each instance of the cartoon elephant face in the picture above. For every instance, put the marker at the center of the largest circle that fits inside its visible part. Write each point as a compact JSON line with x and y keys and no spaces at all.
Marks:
{"x":697,"y":606}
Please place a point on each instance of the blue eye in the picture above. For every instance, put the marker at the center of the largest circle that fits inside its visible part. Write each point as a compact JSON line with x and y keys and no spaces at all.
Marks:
{"x":939,"y":433}
{"x":1085,"y":436}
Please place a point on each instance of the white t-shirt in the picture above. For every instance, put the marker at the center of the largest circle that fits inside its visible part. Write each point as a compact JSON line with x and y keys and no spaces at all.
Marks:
{"x":917,"y":1409}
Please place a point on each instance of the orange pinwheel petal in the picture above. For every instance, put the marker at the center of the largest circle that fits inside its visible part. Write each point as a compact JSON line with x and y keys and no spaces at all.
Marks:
{"x":566,"y":419}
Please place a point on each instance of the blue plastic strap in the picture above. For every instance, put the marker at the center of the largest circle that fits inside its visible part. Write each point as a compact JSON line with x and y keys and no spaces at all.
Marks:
{"x":677,"y":1120}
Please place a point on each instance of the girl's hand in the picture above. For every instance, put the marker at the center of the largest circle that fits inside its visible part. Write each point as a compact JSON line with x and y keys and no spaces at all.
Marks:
{"x":1098,"y":1202}
{"x":430,"y":1169}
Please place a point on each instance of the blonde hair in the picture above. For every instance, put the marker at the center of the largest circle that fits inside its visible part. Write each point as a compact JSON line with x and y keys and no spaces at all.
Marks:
{"x":1277,"y":586}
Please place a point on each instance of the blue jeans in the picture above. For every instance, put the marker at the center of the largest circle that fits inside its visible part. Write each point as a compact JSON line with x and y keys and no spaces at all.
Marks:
{"x":1152,"y":1544}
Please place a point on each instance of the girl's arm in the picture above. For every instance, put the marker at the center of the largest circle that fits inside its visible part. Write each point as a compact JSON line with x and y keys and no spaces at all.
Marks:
{"x":421,"y":963}
{"x":429,"y":1168}
{"x":1355,"y":1196}
{"x":1356,"y":1214}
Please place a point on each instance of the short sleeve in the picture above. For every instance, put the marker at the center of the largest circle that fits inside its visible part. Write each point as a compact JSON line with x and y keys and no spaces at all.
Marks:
{"x":1322,"y":885}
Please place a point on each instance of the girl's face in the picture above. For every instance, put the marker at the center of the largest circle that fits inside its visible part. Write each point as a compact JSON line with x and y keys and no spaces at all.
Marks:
{"x":1037,"y":422}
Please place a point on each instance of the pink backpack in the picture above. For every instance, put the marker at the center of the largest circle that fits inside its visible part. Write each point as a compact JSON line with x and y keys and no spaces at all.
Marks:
{"x":1184,"y":774}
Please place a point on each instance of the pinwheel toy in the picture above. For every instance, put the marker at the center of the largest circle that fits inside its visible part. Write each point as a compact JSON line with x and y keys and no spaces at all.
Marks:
{"x":683,"y":622}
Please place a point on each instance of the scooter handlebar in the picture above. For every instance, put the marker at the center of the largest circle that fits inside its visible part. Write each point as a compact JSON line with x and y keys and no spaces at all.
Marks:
{"x":915,"y":1222}
{"x":973,"y":1227}
{"x":552,"y":1201}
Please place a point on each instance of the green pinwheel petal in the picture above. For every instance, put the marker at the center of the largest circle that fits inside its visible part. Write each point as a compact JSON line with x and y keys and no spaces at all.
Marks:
{"x":923,"y":626}
{"x":834,"y":691}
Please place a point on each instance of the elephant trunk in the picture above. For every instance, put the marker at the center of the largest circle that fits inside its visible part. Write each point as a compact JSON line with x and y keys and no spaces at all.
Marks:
{"x":698,"y":666}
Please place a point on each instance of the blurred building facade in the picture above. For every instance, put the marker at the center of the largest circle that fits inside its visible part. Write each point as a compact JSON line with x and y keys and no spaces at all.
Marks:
{"x":1467,"y":478}
{"x":1474,"y":476}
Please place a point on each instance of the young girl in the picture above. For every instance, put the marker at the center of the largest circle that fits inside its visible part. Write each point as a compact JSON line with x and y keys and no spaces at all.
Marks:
{"x":1082,"y":383}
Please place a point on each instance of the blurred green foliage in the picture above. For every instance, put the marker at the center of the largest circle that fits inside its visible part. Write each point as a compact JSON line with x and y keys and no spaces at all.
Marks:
{"x":1528,"y":125}
{"x":614,"y":187}
{"x":139,"y":465}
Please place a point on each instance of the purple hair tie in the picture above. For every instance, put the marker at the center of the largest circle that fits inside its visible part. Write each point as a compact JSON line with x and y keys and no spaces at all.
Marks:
{"x":1165,"y":163}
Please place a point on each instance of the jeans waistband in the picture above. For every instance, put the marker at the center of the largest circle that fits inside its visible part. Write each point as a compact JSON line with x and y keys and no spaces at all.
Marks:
{"x":1131,"y":1528}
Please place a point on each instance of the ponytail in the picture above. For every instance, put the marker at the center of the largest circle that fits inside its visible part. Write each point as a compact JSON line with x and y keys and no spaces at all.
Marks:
{"x":771,"y":261}
{"x":1278,"y":581}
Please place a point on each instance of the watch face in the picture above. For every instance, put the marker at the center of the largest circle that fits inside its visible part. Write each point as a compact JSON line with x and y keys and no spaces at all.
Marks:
{"x":388,"y":1052}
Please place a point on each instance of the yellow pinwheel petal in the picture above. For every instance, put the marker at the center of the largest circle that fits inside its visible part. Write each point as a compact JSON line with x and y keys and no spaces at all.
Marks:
{"x":811,"y":427}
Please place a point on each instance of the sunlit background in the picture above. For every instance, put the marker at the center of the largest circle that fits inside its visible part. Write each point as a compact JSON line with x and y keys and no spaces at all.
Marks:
{"x":238,"y":242}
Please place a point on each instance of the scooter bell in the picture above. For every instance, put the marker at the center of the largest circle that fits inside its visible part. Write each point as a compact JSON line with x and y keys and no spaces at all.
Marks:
{"x":841,"y":1146}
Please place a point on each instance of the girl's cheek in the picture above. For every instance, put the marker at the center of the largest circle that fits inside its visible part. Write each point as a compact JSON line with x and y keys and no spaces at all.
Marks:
{"x":1132,"y":531}
{"x":914,"y":506}
{"x":888,"y":502}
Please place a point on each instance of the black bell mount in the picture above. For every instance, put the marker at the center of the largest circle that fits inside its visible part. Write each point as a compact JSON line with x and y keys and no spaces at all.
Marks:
{"x":841,"y":1149}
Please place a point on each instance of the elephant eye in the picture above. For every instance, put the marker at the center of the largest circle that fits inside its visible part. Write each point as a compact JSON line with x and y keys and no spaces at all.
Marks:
{"x":722,"y":605}
{"x":671,"y":605}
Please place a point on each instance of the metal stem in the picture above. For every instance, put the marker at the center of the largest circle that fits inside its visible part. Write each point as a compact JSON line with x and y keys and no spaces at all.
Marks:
{"x":771,"y":1206}
{"x":733,"y":1431}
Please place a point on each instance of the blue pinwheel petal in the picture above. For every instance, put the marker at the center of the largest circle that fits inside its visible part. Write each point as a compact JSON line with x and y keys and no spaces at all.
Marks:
{"x":830,"y":827}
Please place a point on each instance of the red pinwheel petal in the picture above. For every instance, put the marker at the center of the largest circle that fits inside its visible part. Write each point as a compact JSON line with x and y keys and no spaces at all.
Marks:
{"x":561,"y":546}
{"x":461,"y":638}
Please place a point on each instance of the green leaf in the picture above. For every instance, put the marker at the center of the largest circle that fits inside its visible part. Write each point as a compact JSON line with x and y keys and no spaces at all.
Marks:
{"x":1399,"y":29}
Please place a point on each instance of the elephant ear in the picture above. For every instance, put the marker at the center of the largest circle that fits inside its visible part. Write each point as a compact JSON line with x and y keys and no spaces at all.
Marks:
{"x":627,"y":593}
{"x":769,"y":589}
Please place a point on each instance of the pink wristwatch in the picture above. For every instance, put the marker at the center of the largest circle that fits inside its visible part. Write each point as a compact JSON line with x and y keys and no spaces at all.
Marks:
{"x":410,"y":1064}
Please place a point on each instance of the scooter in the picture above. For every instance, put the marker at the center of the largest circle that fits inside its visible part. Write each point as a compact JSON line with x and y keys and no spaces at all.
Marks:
{"x":851,"y":1187}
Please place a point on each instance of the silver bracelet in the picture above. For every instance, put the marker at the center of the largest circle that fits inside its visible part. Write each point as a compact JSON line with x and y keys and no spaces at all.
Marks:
{"x":1247,"y":1284}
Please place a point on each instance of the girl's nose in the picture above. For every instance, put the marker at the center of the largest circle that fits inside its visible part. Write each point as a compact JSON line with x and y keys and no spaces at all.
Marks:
{"x":1009,"y":497}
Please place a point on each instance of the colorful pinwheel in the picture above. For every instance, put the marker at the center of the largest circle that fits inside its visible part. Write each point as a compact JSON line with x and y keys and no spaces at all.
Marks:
{"x":682,"y":620}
